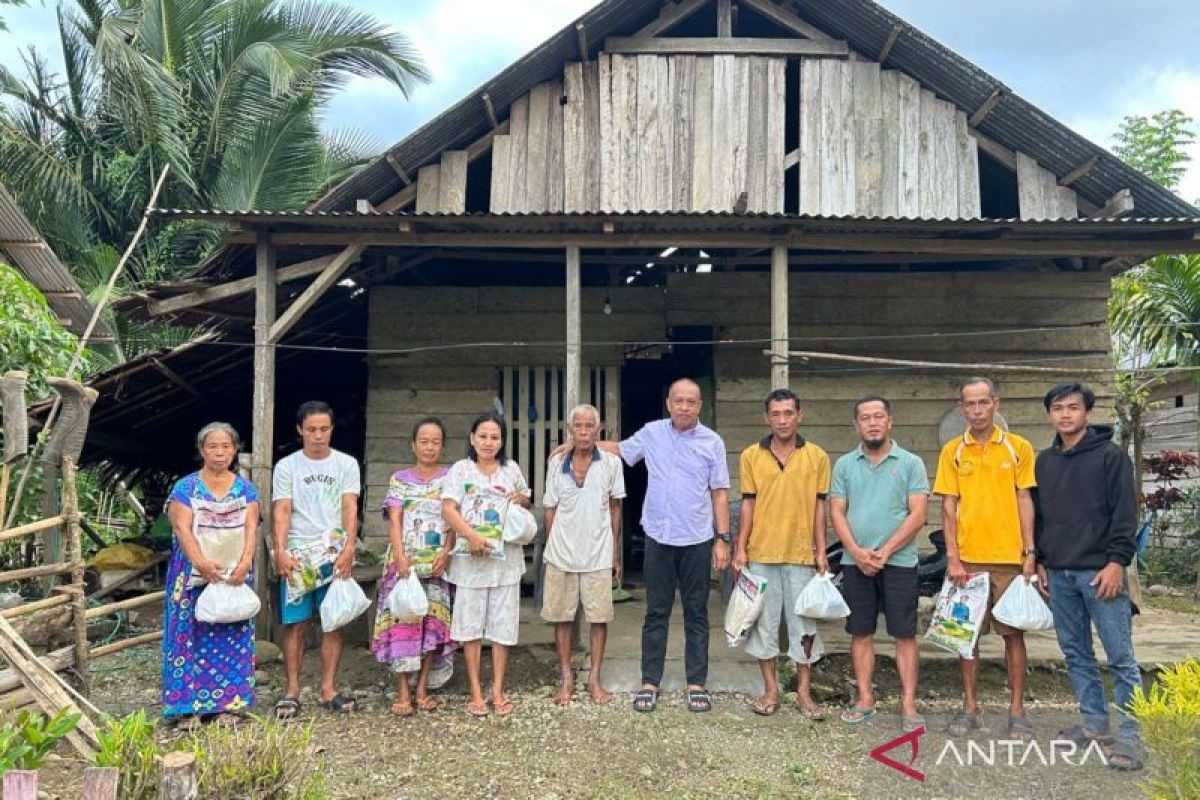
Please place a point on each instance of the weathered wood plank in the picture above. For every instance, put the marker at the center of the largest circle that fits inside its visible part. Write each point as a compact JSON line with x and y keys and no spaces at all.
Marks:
{"x":682,"y":77}
{"x":721,"y":174}
{"x":738,"y":130}
{"x":574,"y":139}
{"x":608,"y":138}
{"x":837,"y":140}
{"x":868,"y":137}
{"x":555,"y":160}
{"x":452,"y":182}
{"x":733,"y":46}
{"x":756,"y":140}
{"x":810,"y":137}
{"x":591,"y":165}
{"x":909,"y":140}
{"x":537,"y":148}
{"x":1067,"y":202}
{"x":625,"y":111}
{"x":889,"y":155}
{"x":945,"y":161}
{"x":776,"y":122}
{"x":653,"y":127}
{"x":501,"y":188}
{"x":428,"y":188}
{"x":1031,"y":199}
{"x":969,"y":198}
{"x":702,"y":136}
{"x":518,"y":132}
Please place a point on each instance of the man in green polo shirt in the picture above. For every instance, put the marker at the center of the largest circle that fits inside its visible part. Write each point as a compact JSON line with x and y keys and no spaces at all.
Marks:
{"x":878,"y":499}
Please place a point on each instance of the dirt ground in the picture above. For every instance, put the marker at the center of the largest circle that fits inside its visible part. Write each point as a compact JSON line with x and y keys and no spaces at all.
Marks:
{"x":611,"y":752}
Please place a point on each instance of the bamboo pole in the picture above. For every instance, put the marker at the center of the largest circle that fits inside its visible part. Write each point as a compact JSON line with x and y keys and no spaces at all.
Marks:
{"x":809,"y":355}
{"x":35,"y":572}
{"x":122,"y":605}
{"x":25,"y":609}
{"x":70,"y":506}
{"x":133,"y":641}
{"x":5,"y":470}
{"x":32,"y":527}
{"x":58,"y":660}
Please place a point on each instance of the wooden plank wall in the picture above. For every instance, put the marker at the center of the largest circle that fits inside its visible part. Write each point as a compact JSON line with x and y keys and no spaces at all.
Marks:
{"x":442,"y":187}
{"x":458,"y":384}
{"x":1038,"y":194}
{"x":829,"y":307}
{"x":874,"y":143}
{"x":647,"y":132}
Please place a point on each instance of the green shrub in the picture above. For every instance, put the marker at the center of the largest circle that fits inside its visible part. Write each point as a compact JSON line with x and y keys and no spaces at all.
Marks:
{"x":259,"y":760}
{"x":129,"y":745}
{"x":24,"y":744}
{"x":1169,"y":714}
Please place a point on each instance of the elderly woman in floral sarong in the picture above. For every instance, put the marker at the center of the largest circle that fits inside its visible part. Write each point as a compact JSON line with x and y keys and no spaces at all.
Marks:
{"x":413,"y":509}
{"x":208,"y":668}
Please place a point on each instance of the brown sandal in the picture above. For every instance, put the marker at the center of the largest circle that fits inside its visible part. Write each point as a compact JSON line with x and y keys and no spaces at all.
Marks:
{"x":428,"y":704}
{"x":504,"y":707}
{"x":477,"y":710}
{"x":402,"y":709}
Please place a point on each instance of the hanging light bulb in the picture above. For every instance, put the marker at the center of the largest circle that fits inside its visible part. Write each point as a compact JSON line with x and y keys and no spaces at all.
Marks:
{"x":607,"y":305}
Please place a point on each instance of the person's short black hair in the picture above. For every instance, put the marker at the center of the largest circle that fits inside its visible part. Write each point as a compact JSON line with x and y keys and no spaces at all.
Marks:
{"x":779,"y":396}
{"x":1068,"y":389}
{"x":872,"y":398}
{"x":434,"y":421}
{"x":489,"y":416}
{"x":310,"y":407}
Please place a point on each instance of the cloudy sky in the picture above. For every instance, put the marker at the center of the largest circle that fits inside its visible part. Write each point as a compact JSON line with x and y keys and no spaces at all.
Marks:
{"x":1087,"y":62}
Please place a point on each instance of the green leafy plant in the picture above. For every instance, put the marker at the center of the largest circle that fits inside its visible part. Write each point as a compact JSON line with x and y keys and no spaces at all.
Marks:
{"x":25,"y":743}
{"x":129,"y":745}
{"x":1169,"y":714}
{"x":259,"y":760}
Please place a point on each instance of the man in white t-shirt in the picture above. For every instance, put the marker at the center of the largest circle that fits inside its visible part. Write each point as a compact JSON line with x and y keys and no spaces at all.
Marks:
{"x":314,"y":494}
{"x":584,"y":487}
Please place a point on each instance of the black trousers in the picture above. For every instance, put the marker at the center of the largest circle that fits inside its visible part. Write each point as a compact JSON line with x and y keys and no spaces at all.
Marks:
{"x":667,"y":568}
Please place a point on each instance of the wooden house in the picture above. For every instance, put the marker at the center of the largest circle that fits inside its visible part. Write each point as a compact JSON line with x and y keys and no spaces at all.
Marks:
{"x":755,"y":193}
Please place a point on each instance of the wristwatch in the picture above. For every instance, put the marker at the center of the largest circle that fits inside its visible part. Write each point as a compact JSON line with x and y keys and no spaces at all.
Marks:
{"x":1028,"y":552}
{"x":725,"y":537}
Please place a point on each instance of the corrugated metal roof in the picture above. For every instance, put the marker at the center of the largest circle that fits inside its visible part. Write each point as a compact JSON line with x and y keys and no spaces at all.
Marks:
{"x":23,"y":246}
{"x":1014,"y":122}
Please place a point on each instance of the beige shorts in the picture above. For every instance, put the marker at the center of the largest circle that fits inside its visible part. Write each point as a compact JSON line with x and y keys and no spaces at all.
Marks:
{"x":999,"y":578}
{"x":493,"y":614}
{"x":563,"y":592}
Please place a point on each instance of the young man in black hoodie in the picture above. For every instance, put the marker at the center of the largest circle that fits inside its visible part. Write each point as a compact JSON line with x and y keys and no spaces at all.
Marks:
{"x":1084,"y":536}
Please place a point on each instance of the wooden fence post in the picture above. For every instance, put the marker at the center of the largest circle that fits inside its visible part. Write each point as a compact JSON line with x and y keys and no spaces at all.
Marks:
{"x":20,"y":784}
{"x":179,"y":777}
{"x":70,"y":505}
{"x":100,"y":783}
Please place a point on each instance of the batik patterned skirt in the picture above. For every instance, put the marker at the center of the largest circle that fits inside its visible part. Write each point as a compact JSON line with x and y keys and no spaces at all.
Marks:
{"x":206,"y":668}
{"x":402,"y":645}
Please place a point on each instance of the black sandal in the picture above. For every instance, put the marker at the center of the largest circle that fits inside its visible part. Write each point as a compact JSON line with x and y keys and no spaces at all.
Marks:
{"x":1124,"y":757}
{"x":699,"y":700}
{"x":287,"y":708}
{"x":339,"y":704}
{"x":645,"y":700}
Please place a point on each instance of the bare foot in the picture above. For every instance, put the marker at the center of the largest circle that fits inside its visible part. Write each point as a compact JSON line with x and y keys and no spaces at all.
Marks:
{"x":598,"y":695}
{"x":502,"y":705}
{"x":566,"y":686}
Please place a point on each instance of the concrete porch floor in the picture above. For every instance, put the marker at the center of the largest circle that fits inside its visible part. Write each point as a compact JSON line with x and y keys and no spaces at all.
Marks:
{"x":1160,"y":637}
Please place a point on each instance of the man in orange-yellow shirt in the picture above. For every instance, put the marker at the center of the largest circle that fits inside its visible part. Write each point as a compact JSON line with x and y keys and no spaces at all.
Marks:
{"x":984,"y":478}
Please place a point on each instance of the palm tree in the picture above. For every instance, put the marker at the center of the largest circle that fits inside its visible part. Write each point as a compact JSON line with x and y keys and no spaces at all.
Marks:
{"x":1156,"y":309}
{"x":230,"y":93}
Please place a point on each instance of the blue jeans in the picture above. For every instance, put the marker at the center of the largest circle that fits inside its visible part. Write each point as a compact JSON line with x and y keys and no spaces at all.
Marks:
{"x":1075,"y":605}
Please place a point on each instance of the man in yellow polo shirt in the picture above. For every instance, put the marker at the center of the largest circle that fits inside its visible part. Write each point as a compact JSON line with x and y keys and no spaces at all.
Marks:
{"x":781,"y":538}
{"x":984,"y":478}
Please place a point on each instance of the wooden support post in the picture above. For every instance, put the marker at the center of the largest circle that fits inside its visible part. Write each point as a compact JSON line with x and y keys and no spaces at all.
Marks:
{"x":490,"y":109}
{"x":889,"y":43}
{"x":582,"y":40}
{"x":574,"y":371}
{"x":100,"y":783}
{"x":70,"y":504}
{"x":263,"y":419}
{"x":986,"y":106}
{"x":308,"y":298}
{"x":20,"y":784}
{"x":724,"y":18}
{"x":779,"y":317}
{"x":179,"y":777}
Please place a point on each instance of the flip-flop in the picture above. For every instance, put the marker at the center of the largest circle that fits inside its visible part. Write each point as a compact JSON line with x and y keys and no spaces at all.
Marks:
{"x":912,"y":722}
{"x":477,"y":710}
{"x":764,"y":709}
{"x":1124,"y":757}
{"x":400,"y":709}
{"x":645,"y":700}
{"x":698,"y":701}
{"x":287,"y":708}
{"x":1020,"y":728}
{"x":815,"y":714}
{"x":338,"y":704}
{"x":504,"y":707}
{"x":856,"y":716}
{"x":428,"y":704}
{"x":1081,"y":737}
{"x":964,"y":722}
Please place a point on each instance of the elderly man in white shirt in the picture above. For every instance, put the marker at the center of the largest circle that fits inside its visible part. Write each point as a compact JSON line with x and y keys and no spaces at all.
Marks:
{"x":584,"y":487}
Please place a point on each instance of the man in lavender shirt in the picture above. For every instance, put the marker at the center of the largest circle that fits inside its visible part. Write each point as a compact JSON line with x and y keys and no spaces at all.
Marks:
{"x":687,"y":492}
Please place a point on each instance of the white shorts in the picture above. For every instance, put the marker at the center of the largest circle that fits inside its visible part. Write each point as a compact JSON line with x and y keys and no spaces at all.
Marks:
{"x":784,"y":584}
{"x":493,"y":614}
